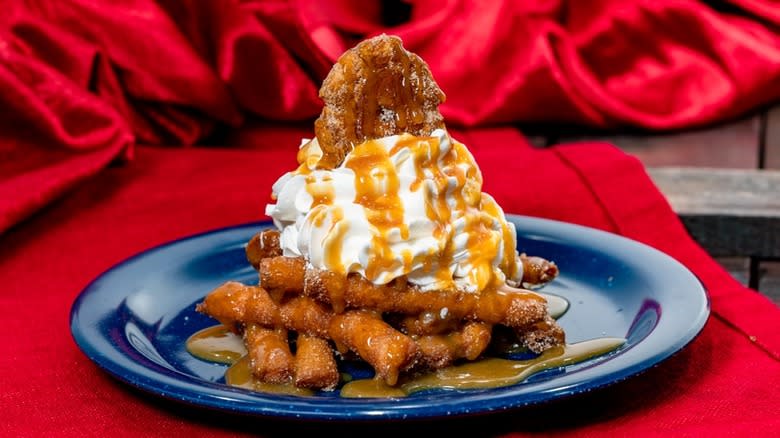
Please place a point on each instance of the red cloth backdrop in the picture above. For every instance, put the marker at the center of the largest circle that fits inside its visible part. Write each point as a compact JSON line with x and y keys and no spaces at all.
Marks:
{"x":81,"y":81}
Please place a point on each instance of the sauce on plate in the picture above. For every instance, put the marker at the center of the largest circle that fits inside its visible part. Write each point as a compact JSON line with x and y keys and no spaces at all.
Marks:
{"x":218,"y":344}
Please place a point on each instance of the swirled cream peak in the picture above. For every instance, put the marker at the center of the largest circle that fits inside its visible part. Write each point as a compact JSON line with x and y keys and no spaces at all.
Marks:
{"x":397,"y":206}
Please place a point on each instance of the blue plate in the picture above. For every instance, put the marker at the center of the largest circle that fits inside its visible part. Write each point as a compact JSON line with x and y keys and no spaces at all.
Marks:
{"x":134,"y":319}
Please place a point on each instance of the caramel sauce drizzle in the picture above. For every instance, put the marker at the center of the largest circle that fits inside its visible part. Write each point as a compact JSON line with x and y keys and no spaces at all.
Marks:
{"x":490,"y":372}
{"x":334,"y":242}
{"x":216,"y":344}
{"x":376,"y":189}
{"x":307,"y":157}
{"x":321,"y":190}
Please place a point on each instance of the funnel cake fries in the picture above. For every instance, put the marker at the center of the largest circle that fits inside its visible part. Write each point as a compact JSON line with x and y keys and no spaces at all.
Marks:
{"x":387,"y":250}
{"x":421,"y":330}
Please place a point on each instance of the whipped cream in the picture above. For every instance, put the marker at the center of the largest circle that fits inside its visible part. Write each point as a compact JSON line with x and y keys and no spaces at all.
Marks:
{"x":398,"y":205}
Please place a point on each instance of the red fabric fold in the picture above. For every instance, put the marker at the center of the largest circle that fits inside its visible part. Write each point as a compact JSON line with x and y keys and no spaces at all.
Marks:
{"x":172,"y":72}
{"x":83,"y":82}
{"x":724,"y":382}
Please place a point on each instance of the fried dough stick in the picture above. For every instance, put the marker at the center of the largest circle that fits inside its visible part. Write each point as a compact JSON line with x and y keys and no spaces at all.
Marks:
{"x":439,"y":351}
{"x":234,"y":304}
{"x":364,"y":333}
{"x":305,"y":315}
{"x":513,"y":309}
{"x":315,"y":367}
{"x":537,"y":271}
{"x":426,"y":323}
{"x":541,"y":335}
{"x":386,"y":349}
{"x":261,"y":245}
{"x":280,"y":275}
{"x":270,"y":358}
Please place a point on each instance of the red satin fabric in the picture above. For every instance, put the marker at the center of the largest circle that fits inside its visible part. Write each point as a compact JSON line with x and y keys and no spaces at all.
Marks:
{"x":83,"y":81}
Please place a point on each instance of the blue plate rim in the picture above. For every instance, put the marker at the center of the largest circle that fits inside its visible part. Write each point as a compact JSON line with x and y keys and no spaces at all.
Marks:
{"x":194,"y":391}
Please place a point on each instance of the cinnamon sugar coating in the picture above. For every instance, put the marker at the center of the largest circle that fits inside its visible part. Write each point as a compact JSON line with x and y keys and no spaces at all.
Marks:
{"x":375,"y":89}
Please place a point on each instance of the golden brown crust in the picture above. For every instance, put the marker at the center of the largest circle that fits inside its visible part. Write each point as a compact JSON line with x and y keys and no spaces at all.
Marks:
{"x":511,"y":308}
{"x":468,"y":342}
{"x":375,"y":89}
{"x":234,"y":304}
{"x":280,"y":275}
{"x":262,"y":245}
{"x":386,"y":349}
{"x":541,"y":335}
{"x":315,"y":366}
{"x":305,"y":315}
{"x":537,"y":271}
{"x":269,"y":354}
{"x":395,"y":327}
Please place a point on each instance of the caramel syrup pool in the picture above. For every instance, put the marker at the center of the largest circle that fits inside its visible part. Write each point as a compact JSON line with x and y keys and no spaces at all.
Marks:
{"x":218,"y":344}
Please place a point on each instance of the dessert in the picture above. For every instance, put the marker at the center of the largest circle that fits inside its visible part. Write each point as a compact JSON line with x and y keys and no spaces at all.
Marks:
{"x":385,"y":248}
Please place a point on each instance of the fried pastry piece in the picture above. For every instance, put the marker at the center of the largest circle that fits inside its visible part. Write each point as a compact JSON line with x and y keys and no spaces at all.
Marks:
{"x":375,"y":89}
{"x":315,"y":367}
{"x":305,"y":315}
{"x":387,"y":350}
{"x":439,"y":351}
{"x":537,"y":271}
{"x":261,"y":245}
{"x":270,"y":358}
{"x":426,"y":323}
{"x":541,"y":335}
{"x":234,"y":303}
{"x":511,"y":308}
{"x":280,"y":275}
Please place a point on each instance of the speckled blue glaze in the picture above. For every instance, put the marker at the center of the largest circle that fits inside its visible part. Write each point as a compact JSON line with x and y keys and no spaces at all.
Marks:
{"x":134,"y":319}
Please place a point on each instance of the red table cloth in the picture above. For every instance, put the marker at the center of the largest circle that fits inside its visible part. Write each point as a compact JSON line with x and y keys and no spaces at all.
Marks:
{"x":82,"y":83}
